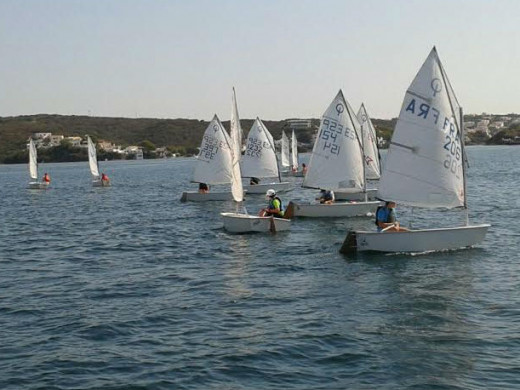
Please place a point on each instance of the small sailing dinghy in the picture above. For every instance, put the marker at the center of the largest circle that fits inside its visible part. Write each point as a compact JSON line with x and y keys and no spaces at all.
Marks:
{"x":33,"y":169}
{"x":294,"y":159}
{"x":260,"y":160}
{"x":285,"y":152}
{"x":213,"y":164}
{"x":425,"y":167}
{"x":245,"y":223}
{"x":94,"y":165}
{"x":370,"y":156}
{"x":336,"y":162}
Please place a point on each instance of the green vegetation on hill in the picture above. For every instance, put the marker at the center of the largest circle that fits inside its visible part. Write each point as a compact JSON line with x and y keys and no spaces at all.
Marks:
{"x":181,"y":136}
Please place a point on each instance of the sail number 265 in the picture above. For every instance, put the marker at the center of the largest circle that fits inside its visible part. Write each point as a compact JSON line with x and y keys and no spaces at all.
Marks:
{"x":453,"y":157}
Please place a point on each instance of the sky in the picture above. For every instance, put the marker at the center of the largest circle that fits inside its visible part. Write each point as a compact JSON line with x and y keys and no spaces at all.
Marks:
{"x":286,"y":58}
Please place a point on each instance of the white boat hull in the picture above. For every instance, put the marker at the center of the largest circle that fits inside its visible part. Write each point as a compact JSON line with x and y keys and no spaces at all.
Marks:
{"x":262,"y":188}
{"x":335,"y":210}
{"x":415,"y":241}
{"x":244,"y":223}
{"x":358,"y":196}
{"x":37,"y":185}
{"x":195,"y":196}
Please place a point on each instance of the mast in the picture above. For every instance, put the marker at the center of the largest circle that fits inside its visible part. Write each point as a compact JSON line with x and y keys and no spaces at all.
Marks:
{"x":464,"y":162}
{"x":460,"y":125}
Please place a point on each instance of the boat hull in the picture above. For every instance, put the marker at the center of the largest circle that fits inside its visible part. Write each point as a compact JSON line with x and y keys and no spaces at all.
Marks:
{"x":195,"y":196}
{"x":244,"y":223}
{"x":416,"y":241}
{"x":36,"y":185}
{"x":335,"y":210}
{"x":100,"y":183}
{"x":358,"y":196}
{"x":262,"y":188}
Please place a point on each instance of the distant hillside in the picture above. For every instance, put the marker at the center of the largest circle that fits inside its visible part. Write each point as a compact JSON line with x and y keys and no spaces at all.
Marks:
{"x":178,"y":135}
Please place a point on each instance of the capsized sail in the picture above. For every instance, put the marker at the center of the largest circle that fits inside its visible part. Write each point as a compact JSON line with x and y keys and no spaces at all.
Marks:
{"x":294,"y":152}
{"x":371,"y":152}
{"x":285,"y":151}
{"x":260,"y":157}
{"x":33,"y":161}
{"x":235,"y":128}
{"x":92,"y":158}
{"x":336,"y":160}
{"x":423,"y":167}
{"x":215,"y":159}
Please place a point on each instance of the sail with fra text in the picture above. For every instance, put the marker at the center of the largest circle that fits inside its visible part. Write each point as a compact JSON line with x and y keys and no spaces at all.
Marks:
{"x":423,"y":167}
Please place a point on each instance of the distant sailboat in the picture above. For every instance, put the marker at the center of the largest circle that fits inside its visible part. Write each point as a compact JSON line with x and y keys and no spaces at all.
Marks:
{"x":246,"y":223}
{"x":260,"y":160}
{"x":214,"y":164}
{"x":294,"y":153}
{"x":370,"y":157}
{"x":94,"y":166}
{"x":425,"y":167}
{"x":33,"y":169}
{"x":336,"y":162}
{"x":285,"y":154}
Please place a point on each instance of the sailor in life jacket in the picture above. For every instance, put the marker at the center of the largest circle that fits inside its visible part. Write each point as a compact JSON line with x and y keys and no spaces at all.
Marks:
{"x":46,"y":178}
{"x":104,"y":179}
{"x":274,"y":207}
{"x":386,"y":219}
{"x":326,"y":197}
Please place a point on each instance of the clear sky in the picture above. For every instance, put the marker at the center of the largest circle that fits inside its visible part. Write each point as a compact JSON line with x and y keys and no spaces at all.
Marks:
{"x":286,"y":58}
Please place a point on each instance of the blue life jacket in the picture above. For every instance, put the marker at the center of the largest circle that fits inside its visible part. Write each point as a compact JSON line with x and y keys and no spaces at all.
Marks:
{"x":385,"y":215}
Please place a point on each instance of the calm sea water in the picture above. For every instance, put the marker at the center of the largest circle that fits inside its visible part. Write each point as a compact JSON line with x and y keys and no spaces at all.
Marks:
{"x":127,"y":288}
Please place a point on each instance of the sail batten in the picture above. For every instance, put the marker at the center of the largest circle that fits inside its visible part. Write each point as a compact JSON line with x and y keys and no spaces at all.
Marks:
{"x":214,"y":165}
{"x":424,"y":163}
{"x":336,"y":160}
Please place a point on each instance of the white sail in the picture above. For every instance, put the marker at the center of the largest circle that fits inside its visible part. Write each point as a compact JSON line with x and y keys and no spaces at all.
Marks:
{"x":92,"y":158}
{"x":336,"y":160}
{"x":371,"y":152}
{"x":235,"y":128}
{"x":285,"y":151}
{"x":33,"y":161}
{"x":424,"y":162}
{"x":215,"y":159}
{"x":260,"y":157}
{"x":294,"y":152}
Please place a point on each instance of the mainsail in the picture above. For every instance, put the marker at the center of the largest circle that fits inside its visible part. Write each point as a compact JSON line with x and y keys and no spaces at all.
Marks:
{"x":285,"y":151}
{"x":260,"y":157}
{"x":424,"y":165}
{"x":294,"y":152}
{"x":336,"y":160}
{"x":33,"y":161}
{"x":215,"y":159}
{"x":371,"y":152}
{"x":92,"y":158}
